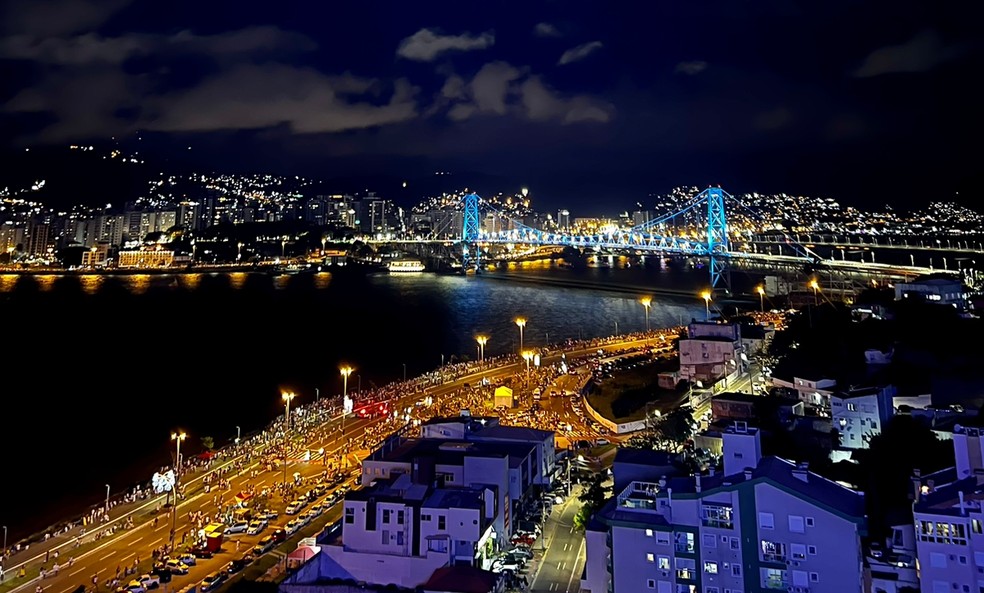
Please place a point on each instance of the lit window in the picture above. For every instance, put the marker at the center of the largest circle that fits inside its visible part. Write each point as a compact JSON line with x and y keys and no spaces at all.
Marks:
{"x":649,"y":533}
{"x":711,"y":567}
{"x":650,"y":558}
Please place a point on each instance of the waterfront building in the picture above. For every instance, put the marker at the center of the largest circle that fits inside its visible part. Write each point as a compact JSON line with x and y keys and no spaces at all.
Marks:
{"x":765,"y":524}
{"x":147,"y":257}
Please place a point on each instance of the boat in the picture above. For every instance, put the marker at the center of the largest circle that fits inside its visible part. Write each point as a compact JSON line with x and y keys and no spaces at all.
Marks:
{"x":403,"y":266}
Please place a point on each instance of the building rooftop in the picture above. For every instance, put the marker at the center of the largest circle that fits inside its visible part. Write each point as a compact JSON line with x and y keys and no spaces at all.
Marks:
{"x":480,"y":420}
{"x":454,"y":498}
{"x":519,"y":433}
{"x":859,"y":392}
{"x":453,"y":451}
{"x":461,"y":579}
{"x":398,"y":488}
{"x":782,"y":473}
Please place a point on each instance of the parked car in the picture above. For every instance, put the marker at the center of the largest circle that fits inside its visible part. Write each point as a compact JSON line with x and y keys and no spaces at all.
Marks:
{"x":188,"y":559}
{"x":237,"y":527}
{"x":149,"y":581}
{"x":238,"y":564}
{"x":176,"y":566}
{"x":279,"y":534}
{"x":255,"y":527}
{"x":264,"y":545}
{"x":212,"y":581}
{"x":293,"y":508}
{"x":267,"y":515}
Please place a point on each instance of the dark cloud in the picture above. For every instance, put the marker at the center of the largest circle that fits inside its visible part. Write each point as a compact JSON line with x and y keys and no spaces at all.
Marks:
{"x":262,"y":96}
{"x":425,"y":45}
{"x":56,"y":17}
{"x":691,"y":67}
{"x":579,"y":52}
{"x":91,"y":47}
{"x":500,"y":88}
{"x":546,"y":30}
{"x":921,"y":53}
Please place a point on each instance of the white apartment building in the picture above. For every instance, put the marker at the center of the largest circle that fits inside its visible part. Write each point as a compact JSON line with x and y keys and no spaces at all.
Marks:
{"x":949,"y":520}
{"x":860,"y":414}
{"x":505,"y":468}
{"x":399,"y":531}
{"x":765,"y":524}
{"x":814,"y":392}
{"x":710,"y":352}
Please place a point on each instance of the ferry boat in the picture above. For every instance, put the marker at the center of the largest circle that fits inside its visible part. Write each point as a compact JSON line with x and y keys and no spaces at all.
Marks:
{"x":403,"y":266}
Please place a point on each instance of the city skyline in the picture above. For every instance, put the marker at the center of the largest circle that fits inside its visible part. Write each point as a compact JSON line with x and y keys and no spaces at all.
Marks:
{"x":580,"y":102}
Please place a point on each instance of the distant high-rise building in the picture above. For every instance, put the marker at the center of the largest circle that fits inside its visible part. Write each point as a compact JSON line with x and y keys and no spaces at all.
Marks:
{"x":563,"y":220}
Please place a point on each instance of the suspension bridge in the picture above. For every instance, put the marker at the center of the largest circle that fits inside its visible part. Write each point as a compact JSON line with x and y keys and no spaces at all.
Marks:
{"x":713,"y":241}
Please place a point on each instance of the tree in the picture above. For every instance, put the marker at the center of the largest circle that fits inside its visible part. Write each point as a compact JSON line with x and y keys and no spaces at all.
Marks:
{"x":583,"y":517}
{"x":673,"y":429}
{"x":208,"y":443}
{"x":886,"y":467}
{"x":594,"y":496}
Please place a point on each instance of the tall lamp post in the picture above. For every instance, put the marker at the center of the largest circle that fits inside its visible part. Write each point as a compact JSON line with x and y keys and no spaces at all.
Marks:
{"x":706,"y":295}
{"x":107,"y":500}
{"x":345,"y":371}
{"x":177,"y":437}
{"x":287,"y":397}
{"x":520,"y":323}
{"x":482,"y":341}
{"x":527,"y":356}
{"x":4,"y":539}
{"x":646,"y":302}
{"x":815,"y":286}
{"x":761,"y":292}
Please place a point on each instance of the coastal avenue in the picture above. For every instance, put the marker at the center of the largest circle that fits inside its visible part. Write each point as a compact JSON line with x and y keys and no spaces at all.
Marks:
{"x":125,"y":547}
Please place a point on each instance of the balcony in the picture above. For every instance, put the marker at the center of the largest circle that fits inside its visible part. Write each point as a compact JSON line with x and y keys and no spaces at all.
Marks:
{"x":639,"y":495}
{"x":774,"y":557}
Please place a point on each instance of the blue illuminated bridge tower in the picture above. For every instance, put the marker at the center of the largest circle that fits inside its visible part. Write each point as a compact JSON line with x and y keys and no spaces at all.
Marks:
{"x":653,"y":236}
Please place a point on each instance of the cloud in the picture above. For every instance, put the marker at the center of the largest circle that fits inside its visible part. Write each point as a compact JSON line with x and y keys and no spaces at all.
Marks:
{"x":56,"y":17}
{"x":579,"y":53}
{"x":691,"y":67}
{"x":425,"y":45}
{"x":923,"y":52}
{"x":546,"y":30}
{"x":543,"y":104}
{"x":261,"y":96}
{"x":502,"y":89}
{"x":91,"y":48}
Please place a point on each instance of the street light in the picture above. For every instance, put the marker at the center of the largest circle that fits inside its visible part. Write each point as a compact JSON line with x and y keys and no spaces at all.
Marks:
{"x":107,"y":501}
{"x":761,"y":292}
{"x":287,"y":397}
{"x":528,"y":356}
{"x":238,"y":434}
{"x":4,"y":539}
{"x":177,"y":437}
{"x":345,"y":371}
{"x":646,"y":302}
{"x":482,"y":341}
{"x":815,"y":286}
{"x":706,"y":295}
{"x":521,"y":323}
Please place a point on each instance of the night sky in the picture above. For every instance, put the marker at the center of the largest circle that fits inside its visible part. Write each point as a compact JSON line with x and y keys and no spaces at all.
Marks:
{"x":586,"y":103}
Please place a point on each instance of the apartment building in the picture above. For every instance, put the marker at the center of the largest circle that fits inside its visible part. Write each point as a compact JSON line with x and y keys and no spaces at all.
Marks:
{"x":400,"y":530}
{"x":860,"y":414}
{"x":765,"y":524}
{"x":949,"y":520}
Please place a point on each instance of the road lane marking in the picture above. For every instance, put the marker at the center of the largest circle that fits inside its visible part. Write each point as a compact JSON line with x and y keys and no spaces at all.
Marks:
{"x":107,"y":556}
